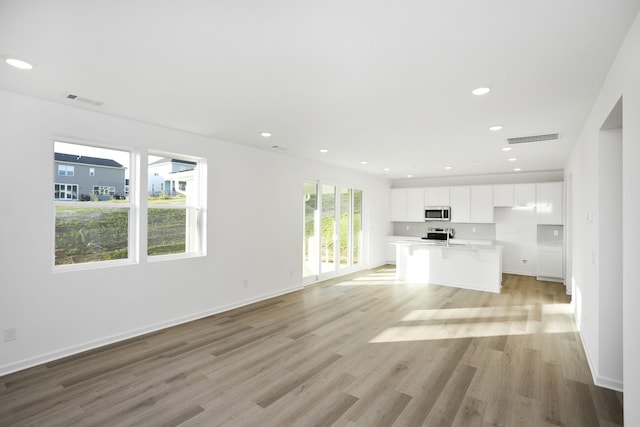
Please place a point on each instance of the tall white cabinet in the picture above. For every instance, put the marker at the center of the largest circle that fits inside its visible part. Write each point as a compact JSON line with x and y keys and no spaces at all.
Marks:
{"x":549,"y":203}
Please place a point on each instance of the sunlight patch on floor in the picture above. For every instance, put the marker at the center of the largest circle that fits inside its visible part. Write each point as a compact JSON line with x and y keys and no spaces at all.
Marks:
{"x":371,"y":279}
{"x":453,"y":323}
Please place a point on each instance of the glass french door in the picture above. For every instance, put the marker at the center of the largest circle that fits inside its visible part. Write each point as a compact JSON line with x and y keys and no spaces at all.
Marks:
{"x":332,"y":230}
{"x":310,"y":245}
{"x":328,"y":229}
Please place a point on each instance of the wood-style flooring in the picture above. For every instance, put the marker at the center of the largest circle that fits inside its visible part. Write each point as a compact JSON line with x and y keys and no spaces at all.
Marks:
{"x":363,"y":350}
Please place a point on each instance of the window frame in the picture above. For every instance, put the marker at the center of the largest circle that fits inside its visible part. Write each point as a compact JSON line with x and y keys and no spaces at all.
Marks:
{"x":198,"y":204}
{"x":130,"y":204}
{"x":56,"y":190}
{"x":135,"y":189}
{"x":66,"y":168}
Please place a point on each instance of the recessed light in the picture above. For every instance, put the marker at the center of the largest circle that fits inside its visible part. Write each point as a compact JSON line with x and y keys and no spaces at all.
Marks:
{"x":324,"y":150}
{"x":266,"y":134}
{"x":506,"y":148}
{"x":364,"y":162}
{"x":517,"y":169}
{"x":409,"y":176}
{"x":495,"y":128}
{"x":448,"y":167}
{"x":18,"y":63}
{"x":512,"y":159}
{"x":481,"y":91}
{"x":386,"y":169}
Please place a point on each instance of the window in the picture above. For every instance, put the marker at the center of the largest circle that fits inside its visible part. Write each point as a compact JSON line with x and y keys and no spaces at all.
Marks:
{"x":174,"y":224}
{"x":65,"y":191}
{"x":103,"y":190}
{"x":66,"y":170}
{"x":98,"y":222}
{"x":91,"y":226}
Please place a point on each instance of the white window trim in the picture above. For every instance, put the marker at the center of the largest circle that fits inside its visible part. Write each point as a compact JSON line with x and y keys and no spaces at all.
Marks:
{"x":66,"y":185}
{"x":200,"y":208}
{"x":131,"y":204}
{"x":66,"y":168}
{"x":137,"y":205}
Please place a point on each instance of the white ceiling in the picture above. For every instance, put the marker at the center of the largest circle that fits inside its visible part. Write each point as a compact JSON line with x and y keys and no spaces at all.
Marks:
{"x":386,"y":81}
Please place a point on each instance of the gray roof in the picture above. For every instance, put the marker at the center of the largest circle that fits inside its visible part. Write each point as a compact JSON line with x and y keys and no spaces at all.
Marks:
{"x":87,"y":160}
{"x":167,"y":160}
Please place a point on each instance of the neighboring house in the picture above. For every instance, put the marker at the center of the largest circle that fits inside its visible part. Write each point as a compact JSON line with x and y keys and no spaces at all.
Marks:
{"x":170,"y":176}
{"x":85,"y":178}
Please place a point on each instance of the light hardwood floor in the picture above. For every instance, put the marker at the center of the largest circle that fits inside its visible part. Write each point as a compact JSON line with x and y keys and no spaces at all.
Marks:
{"x":359,"y":351}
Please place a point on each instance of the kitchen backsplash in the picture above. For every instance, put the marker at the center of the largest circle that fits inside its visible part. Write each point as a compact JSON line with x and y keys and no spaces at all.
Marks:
{"x":550,"y":234}
{"x":462,"y":231}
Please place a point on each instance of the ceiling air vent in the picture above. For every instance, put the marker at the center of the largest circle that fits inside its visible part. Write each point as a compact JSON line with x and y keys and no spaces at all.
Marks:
{"x":85,"y":100}
{"x":533,"y":138}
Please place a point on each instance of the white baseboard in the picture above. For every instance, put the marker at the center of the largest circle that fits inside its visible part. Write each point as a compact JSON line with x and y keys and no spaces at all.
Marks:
{"x":519,"y":273}
{"x":69,"y":351}
{"x":599,"y":380}
{"x":550,"y":279}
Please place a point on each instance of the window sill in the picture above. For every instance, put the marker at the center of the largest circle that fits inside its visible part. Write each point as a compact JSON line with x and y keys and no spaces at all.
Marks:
{"x":64,"y":268}
{"x":170,"y":257}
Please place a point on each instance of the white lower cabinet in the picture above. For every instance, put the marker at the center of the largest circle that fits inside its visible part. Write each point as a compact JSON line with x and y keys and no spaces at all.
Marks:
{"x":550,"y":263}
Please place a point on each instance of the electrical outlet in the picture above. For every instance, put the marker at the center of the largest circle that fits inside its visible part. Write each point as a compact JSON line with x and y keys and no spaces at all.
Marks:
{"x":10,"y":334}
{"x":555,"y":232}
{"x":473,"y":229}
{"x":245,"y":283}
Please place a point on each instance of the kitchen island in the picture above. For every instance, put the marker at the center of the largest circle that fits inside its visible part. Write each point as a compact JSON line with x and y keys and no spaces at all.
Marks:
{"x":468,"y":266}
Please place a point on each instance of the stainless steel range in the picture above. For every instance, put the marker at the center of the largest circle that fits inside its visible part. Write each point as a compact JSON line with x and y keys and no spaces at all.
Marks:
{"x":439,"y":234}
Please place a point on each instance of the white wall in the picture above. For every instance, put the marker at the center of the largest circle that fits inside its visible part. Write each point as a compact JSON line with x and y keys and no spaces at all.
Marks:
{"x":610,"y":253}
{"x":622,"y":81}
{"x":254,"y":233}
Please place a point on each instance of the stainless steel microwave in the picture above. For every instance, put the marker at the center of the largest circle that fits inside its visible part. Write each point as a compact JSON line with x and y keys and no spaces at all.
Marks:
{"x":437,"y":213}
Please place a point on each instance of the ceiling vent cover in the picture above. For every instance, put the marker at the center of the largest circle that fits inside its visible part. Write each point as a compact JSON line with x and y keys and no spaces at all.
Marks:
{"x":85,"y":100}
{"x":533,"y":138}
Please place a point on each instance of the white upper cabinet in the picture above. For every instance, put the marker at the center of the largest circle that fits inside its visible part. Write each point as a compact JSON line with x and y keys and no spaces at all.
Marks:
{"x":524,"y":195}
{"x":398,"y":207}
{"x":482,"y":204}
{"x":476,"y":203}
{"x":437,"y":196}
{"x":460,"y":204}
{"x":415,"y":205}
{"x":549,"y":203}
{"x":407,"y":205}
{"x":503,"y":196}
{"x":472,"y":204}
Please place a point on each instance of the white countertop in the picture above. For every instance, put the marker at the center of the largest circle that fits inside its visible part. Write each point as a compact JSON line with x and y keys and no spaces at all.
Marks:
{"x":463,"y":244}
